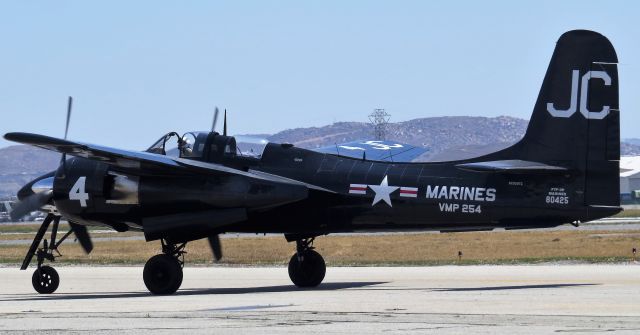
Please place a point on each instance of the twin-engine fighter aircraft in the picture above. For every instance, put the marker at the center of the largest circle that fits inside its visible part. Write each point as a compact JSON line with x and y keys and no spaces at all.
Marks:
{"x":564,"y":170}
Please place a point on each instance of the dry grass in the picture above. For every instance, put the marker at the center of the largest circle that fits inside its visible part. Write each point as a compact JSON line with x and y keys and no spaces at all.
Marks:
{"x":29,"y":236}
{"x":627,"y":213}
{"x":410,"y":249}
{"x":32,"y":227}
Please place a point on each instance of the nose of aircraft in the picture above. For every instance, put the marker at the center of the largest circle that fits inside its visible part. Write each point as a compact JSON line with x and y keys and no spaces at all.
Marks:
{"x":33,"y":196}
{"x":41,"y":184}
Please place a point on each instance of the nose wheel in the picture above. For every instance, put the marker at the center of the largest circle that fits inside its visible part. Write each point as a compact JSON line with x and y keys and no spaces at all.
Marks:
{"x":45,"y":280}
{"x":306,"y":267}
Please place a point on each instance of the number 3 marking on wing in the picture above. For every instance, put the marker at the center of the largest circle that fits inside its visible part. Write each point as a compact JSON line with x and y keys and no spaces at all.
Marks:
{"x":77,"y":192}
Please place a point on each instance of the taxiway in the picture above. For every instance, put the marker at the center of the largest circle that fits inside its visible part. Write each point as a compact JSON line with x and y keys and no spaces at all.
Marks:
{"x":446,"y":299}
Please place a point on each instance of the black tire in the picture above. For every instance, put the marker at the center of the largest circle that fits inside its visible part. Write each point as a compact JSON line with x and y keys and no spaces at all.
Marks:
{"x":162,"y":274}
{"x":308,"y":273}
{"x":45,"y":280}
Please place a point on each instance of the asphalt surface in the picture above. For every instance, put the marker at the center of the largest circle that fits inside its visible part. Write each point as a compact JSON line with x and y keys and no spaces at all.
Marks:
{"x":527,"y":299}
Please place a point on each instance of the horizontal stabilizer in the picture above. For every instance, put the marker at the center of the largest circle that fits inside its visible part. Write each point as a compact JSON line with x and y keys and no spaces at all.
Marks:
{"x":375,"y":150}
{"x":514,"y":166}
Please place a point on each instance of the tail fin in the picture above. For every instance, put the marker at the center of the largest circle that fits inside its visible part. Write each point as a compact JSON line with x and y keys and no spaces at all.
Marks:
{"x":575,"y":122}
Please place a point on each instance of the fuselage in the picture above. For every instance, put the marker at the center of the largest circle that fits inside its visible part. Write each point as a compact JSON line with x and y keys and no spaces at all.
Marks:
{"x":345,"y":195}
{"x":420,"y":196}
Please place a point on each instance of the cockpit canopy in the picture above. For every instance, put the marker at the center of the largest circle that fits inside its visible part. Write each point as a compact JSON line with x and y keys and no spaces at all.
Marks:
{"x":208,"y":146}
{"x":250,"y":146}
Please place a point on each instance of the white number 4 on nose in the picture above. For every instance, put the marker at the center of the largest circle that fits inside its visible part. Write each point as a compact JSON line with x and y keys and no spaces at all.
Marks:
{"x":78,"y":193}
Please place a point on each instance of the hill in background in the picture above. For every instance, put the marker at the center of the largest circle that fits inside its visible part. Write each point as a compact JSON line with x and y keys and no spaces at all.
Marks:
{"x":634,"y":141}
{"x":19,"y":164}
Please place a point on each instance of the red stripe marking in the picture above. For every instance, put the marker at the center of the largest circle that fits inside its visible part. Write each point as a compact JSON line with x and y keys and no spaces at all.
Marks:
{"x":353,"y":188}
{"x":409,"y":191}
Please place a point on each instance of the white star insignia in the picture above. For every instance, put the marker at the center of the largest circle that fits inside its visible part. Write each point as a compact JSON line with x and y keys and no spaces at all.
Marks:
{"x":383,"y":191}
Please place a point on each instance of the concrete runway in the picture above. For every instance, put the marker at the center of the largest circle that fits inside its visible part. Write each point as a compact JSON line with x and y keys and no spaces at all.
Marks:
{"x":525,"y":299}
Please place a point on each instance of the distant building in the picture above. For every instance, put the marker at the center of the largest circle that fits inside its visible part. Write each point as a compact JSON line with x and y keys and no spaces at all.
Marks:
{"x":5,"y":208}
{"x":630,"y":179}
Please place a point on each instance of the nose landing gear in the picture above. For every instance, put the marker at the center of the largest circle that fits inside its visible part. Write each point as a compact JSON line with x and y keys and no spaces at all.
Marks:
{"x":45,"y":279}
{"x":306,"y":267}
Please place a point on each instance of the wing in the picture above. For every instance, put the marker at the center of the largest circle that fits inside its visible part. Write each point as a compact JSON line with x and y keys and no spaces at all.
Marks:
{"x":138,"y":162}
{"x":375,"y":150}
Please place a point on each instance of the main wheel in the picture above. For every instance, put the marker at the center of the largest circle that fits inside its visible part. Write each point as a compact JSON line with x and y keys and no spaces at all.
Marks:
{"x":45,"y":280}
{"x":309,"y":272}
{"x":162,"y":274}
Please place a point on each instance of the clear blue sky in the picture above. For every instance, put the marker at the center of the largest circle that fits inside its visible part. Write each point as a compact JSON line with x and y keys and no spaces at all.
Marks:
{"x":138,"y":69}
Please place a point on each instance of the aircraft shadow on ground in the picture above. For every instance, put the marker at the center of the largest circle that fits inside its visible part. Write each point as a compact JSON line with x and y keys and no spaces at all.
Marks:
{"x":197,"y":291}
{"x":510,"y":287}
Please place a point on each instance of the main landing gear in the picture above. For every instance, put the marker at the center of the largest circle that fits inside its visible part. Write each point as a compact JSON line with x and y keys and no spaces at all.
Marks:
{"x":306,"y":267}
{"x":162,"y":273}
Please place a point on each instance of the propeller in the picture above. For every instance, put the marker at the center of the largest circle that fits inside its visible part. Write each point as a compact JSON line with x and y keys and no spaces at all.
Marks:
{"x":38,"y":193}
{"x":215,"y":119}
{"x":216,"y":246}
{"x":63,"y":158}
{"x":214,"y":240}
{"x":29,"y":204}
{"x":66,"y":127}
{"x":82,"y":235}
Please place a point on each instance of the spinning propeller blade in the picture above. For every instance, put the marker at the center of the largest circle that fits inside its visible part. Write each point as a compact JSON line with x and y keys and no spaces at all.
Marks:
{"x":82,"y":235}
{"x":63,"y":158}
{"x":29,"y":204}
{"x":216,"y":247}
{"x":215,"y":119}
{"x":66,"y":127}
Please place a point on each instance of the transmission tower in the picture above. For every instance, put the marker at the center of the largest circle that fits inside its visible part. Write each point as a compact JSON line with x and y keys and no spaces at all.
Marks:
{"x":379,"y":119}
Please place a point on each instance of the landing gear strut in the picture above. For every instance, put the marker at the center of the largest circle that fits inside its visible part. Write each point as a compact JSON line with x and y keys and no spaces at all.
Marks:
{"x":45,"y":279}
{"x":162,"y":273}
{"x":306,"y":267}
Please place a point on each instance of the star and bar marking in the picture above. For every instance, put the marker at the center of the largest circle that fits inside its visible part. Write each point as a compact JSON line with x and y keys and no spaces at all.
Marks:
{"x":383,"y":191}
